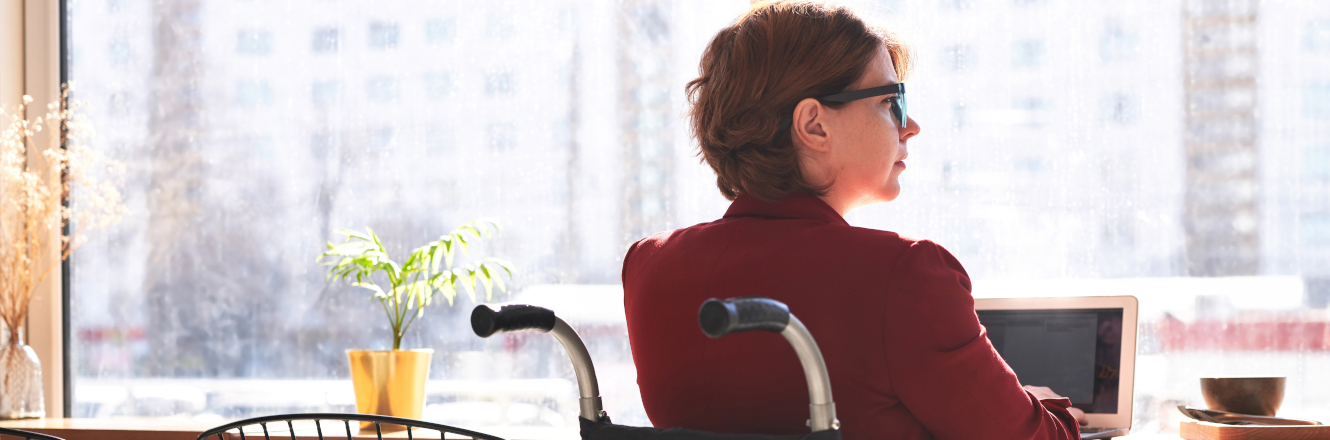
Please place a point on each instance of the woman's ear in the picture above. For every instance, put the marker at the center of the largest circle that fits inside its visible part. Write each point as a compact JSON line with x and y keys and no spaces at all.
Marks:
{"x":809,"y":125}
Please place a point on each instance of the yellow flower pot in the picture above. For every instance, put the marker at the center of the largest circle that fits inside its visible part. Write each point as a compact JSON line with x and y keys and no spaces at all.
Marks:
{"x":390,"y":382}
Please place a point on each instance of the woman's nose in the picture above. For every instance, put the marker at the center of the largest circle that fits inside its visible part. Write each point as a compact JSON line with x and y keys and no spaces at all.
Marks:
{"x":911,"y":129}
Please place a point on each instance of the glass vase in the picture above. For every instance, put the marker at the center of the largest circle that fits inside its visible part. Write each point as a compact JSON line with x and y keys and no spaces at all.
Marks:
{"x":20,"y":378}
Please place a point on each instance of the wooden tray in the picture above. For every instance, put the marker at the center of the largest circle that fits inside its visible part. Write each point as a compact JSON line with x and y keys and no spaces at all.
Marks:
{"x":1213,"y":431}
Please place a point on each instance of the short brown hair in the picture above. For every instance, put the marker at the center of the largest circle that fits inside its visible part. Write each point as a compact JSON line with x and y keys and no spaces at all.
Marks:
{"x":753,"y":74}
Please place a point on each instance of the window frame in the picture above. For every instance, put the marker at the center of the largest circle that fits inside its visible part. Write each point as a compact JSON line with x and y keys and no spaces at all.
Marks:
{"x":37,"y":44}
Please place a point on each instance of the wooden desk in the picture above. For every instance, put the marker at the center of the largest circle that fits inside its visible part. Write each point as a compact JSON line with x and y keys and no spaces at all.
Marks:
{"x":114,"y":429}
{"x":1214,"y":431}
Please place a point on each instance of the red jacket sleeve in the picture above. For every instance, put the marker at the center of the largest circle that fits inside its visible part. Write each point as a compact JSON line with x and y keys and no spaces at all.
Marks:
{"x":942,"y":366}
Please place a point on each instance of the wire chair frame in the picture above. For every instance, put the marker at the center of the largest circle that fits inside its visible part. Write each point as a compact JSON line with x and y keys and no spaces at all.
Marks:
{"x":26,"y":435}
{"x":219,"y":433}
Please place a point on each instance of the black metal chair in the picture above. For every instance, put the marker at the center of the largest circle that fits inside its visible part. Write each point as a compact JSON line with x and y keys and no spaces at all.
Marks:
{"x":7,"y":432}
{"x":717,"y":318}
{"x":332,"y":426}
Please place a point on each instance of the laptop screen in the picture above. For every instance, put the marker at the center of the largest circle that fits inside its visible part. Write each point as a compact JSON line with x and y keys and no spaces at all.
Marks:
{"x":1075,"y":352}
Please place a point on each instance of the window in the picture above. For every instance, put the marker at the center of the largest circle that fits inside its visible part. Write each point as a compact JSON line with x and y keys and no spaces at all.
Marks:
{"x":325,"y":93}
{"x":253,"y":93}
{"x":1317,"y":227}
{"x":382,"y":89}
{"x":438,"y":84}
{"x":499,"y":25}
{"x":326,"y":40}
{"x":501,"y":136}
{"x":1316,"y":100}
{"x":958,"y":57}
{"x":383,"y":139}
{"x":499,"y":82}
{"x":440,"y":31}
{"x":1119,"y":108}
{"x":439,"y":143}
{"x":1027,"y":53}
{"x":960,"y":116}
{"x":382,"y":35}
{"x":1316,"y":36}
{"x":1316,"y":163}
{"x":119,"y":52}
{"x":253,"y":42}
{"x":1030,"y":111}
{"x":1056,"y":157}
{"x":1117,"y":43}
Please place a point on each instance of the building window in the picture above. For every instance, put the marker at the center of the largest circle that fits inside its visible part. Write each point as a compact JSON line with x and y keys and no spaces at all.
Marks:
{"x":438,"y":84}
{"x":958,"y":57}
{"x":382,"y":138}
{"x":382,"y":89}
{"x":957,"y":5}
{"x":1119,"y":108}
{"x":253,"y":42}
{"x":960,"y":116}
{"x":1316,"y":163}
{"x":1117,"y":43}
{"x":1027,"y":53}
{"x":323,"y":142}
{"x":499,"y":25}
{"x":439,"y":141}
{"x":253,"y":94}
{"x":1316,"y":100}
{"x":440,"y":31}
{"x":1315,"y":229}
{"x":326,"y":40}
{"x":1030,"y":111}
{"x":499,"y":82}
{"x":1316,"y":36}
{"x":324,"y":93}
{"x":262,"y":147}
{"x":501,"y":136}
{"x":382,"y":35}
{"x":119,"y":52}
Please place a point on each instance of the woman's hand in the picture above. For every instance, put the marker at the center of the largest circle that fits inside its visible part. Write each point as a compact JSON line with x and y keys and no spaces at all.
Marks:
{"x":1045,"y":393}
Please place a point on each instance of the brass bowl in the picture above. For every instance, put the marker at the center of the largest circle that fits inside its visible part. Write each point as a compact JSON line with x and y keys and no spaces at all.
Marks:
{"x":1258,"y":396}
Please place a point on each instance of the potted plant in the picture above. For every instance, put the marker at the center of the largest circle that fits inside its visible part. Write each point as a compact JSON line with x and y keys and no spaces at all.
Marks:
{"x":392,"y":382}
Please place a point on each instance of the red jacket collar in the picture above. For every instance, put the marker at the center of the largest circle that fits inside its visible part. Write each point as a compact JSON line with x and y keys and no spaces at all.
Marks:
{"x":796,"y":205}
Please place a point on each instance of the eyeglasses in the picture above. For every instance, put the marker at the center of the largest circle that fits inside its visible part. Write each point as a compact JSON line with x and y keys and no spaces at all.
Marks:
{"x":897,"y":102}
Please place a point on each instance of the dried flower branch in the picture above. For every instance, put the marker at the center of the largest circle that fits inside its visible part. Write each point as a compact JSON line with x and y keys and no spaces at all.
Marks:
{"x":33,"y":196}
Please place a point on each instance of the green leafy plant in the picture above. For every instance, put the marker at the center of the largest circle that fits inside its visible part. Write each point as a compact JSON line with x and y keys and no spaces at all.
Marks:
{"x":426,"y":271}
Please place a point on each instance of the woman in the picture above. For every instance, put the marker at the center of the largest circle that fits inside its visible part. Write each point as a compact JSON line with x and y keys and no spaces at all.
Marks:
{"x":798,"y":110}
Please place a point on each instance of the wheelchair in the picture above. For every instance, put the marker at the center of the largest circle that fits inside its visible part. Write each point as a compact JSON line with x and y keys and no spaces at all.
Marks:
{"x":717,"y":319}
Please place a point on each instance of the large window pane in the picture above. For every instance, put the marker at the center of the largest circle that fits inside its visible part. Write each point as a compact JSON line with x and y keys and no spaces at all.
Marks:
{"x":1178,"y":151}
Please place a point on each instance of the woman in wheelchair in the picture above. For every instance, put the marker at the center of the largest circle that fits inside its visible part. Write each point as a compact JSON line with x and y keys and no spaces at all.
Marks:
{"x":800,"y":110}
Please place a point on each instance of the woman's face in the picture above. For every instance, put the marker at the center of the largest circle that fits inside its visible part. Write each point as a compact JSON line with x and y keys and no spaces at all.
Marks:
{"x":867,"y":143}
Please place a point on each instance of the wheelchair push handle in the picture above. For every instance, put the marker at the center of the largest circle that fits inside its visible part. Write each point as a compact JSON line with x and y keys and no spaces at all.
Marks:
{"x":488,"y":320}
{"x":722,"y":317}
{"x":491,"y":319}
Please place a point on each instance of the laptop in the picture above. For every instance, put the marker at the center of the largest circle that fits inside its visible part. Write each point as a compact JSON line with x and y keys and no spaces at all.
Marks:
{"x":1083,"y":348}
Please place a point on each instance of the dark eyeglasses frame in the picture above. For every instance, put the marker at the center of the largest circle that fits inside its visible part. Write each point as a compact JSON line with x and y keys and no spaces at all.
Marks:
{"x":898,"y":106}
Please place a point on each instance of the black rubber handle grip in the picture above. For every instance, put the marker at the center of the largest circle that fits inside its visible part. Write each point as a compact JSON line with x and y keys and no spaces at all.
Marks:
{"x":486,"y":320}
{"x":722,"y":317}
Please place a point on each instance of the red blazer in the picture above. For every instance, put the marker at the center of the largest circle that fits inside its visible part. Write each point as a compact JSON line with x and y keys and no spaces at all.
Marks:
{"x":893,"y":317}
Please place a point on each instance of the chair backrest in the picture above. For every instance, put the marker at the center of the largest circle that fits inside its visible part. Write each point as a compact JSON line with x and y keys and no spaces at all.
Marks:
{"x":334,"y":426}
{"x":7,"y":433}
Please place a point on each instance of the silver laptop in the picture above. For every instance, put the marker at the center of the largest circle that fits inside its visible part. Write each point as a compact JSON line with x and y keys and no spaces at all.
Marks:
{"x":1083,"y":348}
